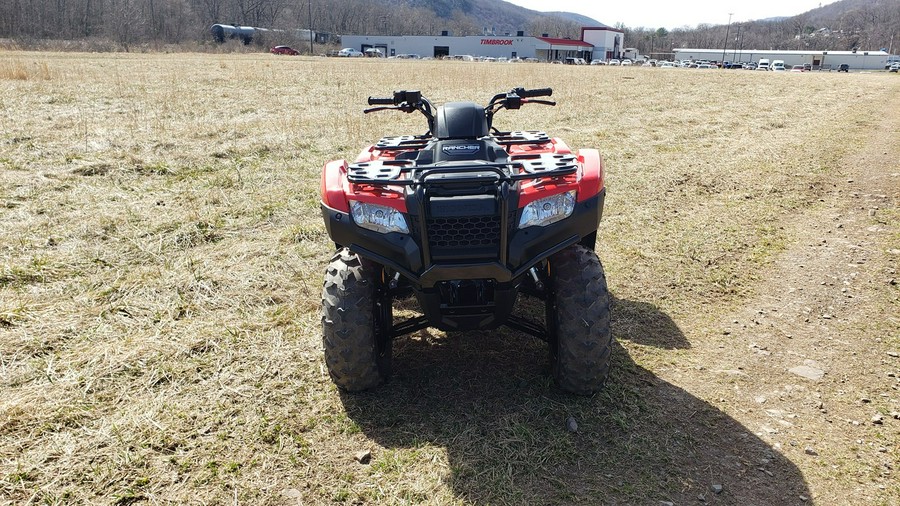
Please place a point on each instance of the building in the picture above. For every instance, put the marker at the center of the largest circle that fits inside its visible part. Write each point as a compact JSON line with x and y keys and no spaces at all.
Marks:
{"x":600,"y":42}
{"x":825,"y":60}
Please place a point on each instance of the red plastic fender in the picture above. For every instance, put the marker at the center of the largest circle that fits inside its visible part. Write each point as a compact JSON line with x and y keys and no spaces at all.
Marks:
{"x":333,"y":176}
{"x":367,"y":155}
{"x":592,"y":174}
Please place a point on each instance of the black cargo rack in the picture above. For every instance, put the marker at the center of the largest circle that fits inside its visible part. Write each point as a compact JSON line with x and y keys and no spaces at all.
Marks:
{"x":521,"y":137}
{"x":402,"y":142}
{"x":408,"y":173}
{"x":418,"y":142}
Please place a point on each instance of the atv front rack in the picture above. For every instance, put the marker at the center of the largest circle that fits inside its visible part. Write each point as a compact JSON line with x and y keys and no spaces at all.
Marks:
{"x":403,"y":142}
{"x":408,"y":173}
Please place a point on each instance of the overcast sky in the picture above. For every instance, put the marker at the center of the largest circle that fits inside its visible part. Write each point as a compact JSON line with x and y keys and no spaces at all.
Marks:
{"x":675,"y":14}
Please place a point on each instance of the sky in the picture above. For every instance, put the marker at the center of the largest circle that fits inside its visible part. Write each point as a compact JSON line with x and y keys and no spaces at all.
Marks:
{"x":675,"y":14}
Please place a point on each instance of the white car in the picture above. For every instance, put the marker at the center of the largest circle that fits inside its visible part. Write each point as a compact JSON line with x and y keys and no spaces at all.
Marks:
{"x":627,"y":62}
{"x":350,"y":52}
{"x":614,"y":62}
{"x":667,"y":65}
{"x":598,"y":62}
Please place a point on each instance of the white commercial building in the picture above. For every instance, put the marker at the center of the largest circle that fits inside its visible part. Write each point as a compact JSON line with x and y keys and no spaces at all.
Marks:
{"x":825,"y":60}
{"x":600,"y":42}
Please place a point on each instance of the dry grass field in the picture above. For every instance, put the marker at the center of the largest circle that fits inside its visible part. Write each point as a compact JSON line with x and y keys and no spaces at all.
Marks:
{"x":162,"y":254}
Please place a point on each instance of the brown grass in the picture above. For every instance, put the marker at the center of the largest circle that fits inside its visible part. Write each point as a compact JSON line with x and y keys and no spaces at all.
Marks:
{"x":22,"y":71}
{"x":161,"y":254}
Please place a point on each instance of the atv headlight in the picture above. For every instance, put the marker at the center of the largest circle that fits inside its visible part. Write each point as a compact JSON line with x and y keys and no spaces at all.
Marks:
{"x":378,"y":218}
{"x":548,"y":210}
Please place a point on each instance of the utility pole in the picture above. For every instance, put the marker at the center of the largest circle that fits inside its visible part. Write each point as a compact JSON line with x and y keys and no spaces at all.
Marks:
{"x":725,"y":45}
{"x":736,"y":38}
{"x":311,"y":33}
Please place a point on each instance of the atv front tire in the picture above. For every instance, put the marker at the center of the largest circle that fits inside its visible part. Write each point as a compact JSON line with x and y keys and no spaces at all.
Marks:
{"x":578,"y":321}
{"x":356,"y":323}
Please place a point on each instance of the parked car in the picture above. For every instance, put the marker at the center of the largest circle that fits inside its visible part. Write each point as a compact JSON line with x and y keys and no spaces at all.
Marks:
{"x":373,"y":52}
{"x":284,"y":50}
{"x":667,"y":65}
{"x":895,"y":67}
{"x":626,"y":62}
{"x":598,"y":62}
{"x":844,"y":67}
{"x":614,"y":62}
{"x":750,"y":66}
{"x":798,"y":68}
{"x":778,"y":65}
{"x":350,"y":52}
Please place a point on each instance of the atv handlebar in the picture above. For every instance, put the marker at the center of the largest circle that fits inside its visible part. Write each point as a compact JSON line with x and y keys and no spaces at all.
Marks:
{"x":381,"y":101}
{"x":412,"y":100}
{"x":540,"y":92}
{"x":411,"y":97}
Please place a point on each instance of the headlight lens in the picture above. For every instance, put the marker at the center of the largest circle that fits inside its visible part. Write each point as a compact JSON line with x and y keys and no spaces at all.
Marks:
{"x":378,"y":218}
{"x":548,"y":210}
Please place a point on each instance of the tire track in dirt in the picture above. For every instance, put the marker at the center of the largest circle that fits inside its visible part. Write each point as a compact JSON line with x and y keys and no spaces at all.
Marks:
{"x":810,"y":364}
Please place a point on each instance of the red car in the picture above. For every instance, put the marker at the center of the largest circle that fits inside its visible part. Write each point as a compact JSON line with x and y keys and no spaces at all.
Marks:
{"x":285,"y":50}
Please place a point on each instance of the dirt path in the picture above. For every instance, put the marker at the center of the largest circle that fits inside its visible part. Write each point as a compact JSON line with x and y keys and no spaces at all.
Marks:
{"x":810,"y":364}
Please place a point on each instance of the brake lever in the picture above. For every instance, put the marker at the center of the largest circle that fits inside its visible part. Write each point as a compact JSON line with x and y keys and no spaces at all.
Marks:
{"x":376,"y":109}
{"x":534,"y":101}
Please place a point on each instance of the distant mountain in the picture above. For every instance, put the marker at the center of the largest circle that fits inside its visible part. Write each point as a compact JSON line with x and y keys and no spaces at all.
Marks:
{"x":840,"y":26}
{"x":843,"y":25}
{"x":578,"y":18}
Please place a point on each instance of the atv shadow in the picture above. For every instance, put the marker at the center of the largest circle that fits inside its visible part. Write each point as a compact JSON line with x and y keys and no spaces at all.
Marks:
{"x":487,"y":398}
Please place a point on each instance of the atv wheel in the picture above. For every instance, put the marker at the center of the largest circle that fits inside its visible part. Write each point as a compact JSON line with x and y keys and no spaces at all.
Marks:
{"x":356,"y":323}
{"x":578,"y":321}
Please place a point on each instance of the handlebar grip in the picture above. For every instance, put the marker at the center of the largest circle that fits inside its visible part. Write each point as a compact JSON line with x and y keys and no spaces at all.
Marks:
{"x":540,"y":92}
{"x":381,"y":101}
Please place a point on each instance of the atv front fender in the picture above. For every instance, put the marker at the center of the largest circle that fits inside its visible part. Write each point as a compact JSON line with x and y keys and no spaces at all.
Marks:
{"x":334,"y":195}
{"x":591,"y":182}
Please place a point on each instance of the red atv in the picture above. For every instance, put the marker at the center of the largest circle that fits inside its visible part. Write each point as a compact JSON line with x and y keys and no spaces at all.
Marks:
{"x":466,"y":218}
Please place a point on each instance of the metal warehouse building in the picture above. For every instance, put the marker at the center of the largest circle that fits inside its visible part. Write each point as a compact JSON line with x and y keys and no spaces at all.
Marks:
{"x":601,"y":42}
{"x":872,"y":60}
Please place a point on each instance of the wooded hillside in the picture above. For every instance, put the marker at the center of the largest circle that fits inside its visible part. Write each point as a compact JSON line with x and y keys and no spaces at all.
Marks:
{"x":841,"y":26}
{"x":129,"y":22}
{"x":844,"y":25}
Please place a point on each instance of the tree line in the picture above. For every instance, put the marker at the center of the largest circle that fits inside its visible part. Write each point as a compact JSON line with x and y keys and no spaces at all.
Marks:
{"x":132,"y":22}
{"x":844,"y":25}
{"x":865,"y":25}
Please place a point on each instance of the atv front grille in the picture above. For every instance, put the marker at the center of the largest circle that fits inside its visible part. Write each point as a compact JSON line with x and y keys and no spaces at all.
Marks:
{"x":464,"y":232}
{"x":458,"y":238}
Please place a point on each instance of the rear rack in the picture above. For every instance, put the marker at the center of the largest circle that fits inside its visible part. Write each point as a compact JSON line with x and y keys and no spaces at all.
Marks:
{"x":418,"y":142}
{"x":521,"y":137}
{"x":408,"y":173}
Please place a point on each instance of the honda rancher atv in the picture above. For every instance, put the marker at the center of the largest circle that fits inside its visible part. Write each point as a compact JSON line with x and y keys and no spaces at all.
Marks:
{"x":466,"y":218}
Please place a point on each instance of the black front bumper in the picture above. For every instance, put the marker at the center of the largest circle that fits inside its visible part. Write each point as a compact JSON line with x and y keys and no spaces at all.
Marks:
{"x":524,"y":248}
